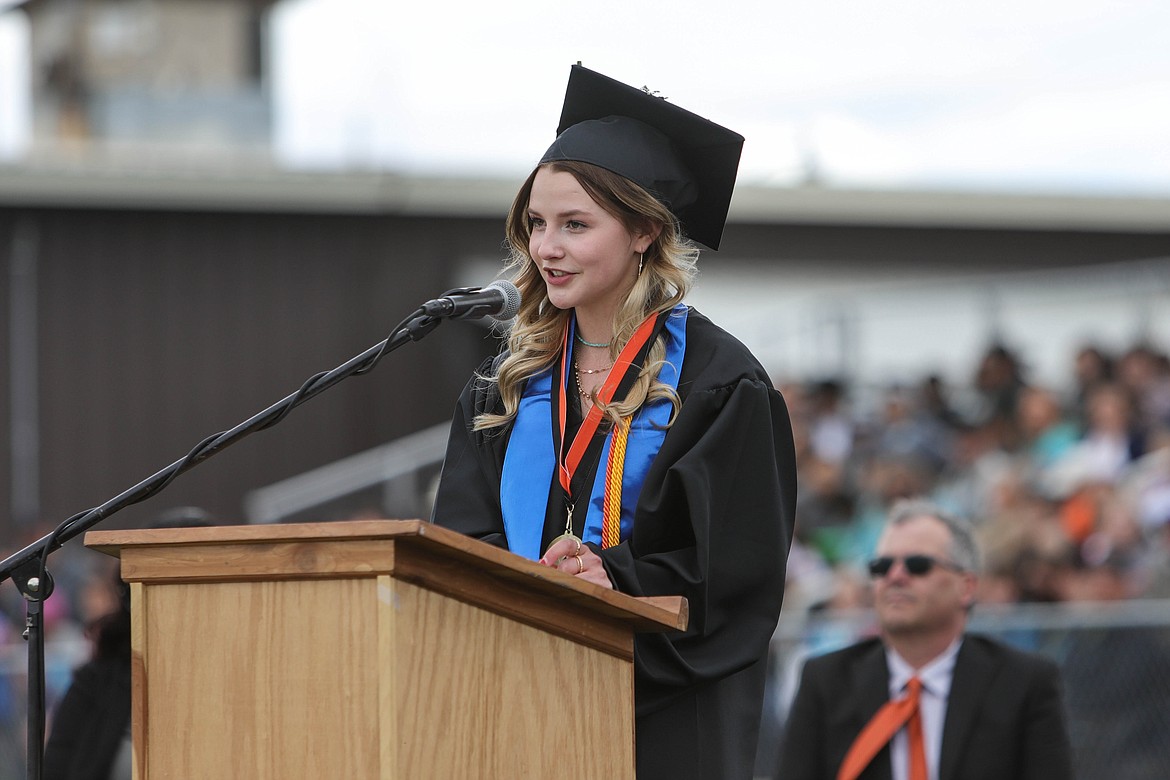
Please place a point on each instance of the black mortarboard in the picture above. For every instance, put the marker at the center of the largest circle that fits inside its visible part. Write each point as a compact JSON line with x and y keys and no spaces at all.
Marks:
{"x":687,"y":162}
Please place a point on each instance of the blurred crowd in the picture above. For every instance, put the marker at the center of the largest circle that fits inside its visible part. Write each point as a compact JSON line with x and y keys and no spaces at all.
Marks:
{"x":1068,"y":486}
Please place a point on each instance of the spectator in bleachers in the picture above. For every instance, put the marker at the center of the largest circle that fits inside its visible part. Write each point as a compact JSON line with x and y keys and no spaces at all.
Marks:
{"x":1145,"y":373}
{"x":824,"y":434}
{"x":830,"y":426}
{"x":1046,"y":436}
{"x":1092,"y":367}
{"x":936,"y":404}
{"x":906,"y":431}
{"x":999,"y":378}
{"x":978,"y":474}
{"x":1088,"y":471}
{"x":1147,"y":488}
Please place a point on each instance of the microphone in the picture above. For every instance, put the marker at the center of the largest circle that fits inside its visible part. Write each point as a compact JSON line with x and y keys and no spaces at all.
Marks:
{"x":500,"y":300}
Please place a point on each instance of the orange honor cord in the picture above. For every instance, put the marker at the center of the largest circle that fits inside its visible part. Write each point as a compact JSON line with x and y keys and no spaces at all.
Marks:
{"x":611,"y":516}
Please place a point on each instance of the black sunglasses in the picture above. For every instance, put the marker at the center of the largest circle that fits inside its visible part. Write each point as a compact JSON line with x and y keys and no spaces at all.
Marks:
{"x":916,"y":565}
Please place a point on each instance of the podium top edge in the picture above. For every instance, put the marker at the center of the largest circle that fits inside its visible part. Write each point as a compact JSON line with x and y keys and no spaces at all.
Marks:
{"x":660,"y":612}
{"x":111,"y":542}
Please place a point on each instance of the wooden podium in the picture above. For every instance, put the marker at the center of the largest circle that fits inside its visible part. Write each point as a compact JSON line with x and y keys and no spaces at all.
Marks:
{"x":386,"y":649}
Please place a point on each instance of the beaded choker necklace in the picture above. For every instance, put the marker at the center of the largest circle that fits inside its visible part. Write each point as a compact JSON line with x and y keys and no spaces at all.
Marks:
{"x":597,"y":344}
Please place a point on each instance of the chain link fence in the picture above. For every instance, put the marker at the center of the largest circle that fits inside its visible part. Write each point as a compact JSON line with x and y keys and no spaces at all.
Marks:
{"x":1114,"y":659}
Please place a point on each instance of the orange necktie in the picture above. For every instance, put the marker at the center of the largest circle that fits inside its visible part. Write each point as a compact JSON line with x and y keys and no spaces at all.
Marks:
{"x":882,"y":728}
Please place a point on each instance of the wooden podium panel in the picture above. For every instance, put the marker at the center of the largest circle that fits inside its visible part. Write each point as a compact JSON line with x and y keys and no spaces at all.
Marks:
{"x":248,"y":679}
{"x":532,"y":691}
{"x":372,"y":649}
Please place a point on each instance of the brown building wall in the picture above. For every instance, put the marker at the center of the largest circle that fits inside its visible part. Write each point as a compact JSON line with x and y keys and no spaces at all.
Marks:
{"x":156,"y":329}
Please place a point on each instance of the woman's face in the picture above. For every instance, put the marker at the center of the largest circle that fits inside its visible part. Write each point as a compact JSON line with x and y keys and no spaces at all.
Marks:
{"x":586,"y":256}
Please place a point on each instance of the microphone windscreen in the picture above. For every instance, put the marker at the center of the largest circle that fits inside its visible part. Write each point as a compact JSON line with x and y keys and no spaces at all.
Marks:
{"x":511,"y":299}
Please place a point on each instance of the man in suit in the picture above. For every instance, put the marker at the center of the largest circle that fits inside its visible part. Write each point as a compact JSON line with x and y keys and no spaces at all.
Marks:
{"x":925,"y":700}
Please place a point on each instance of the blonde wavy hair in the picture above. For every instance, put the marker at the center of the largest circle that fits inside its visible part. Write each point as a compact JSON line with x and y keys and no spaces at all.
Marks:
{"x":534,"y":342}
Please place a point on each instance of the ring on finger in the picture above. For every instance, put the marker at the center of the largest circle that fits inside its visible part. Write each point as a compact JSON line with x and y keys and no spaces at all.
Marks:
{"x":580,"y":563}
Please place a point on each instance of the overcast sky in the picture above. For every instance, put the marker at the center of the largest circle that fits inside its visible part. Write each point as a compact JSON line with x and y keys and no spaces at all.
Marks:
{"x":1067,"y":95}
{"x":1039,"y":95}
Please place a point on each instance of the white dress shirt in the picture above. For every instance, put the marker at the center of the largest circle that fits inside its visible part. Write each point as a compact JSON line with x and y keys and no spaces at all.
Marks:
{"x":936,"y":687}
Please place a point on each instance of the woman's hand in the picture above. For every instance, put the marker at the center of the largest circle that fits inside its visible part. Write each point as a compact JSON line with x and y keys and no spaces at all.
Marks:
{"x":570,"y":556}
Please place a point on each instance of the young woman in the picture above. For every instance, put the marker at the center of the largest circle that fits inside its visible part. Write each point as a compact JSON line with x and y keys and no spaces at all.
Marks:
{"x":624,"y":438}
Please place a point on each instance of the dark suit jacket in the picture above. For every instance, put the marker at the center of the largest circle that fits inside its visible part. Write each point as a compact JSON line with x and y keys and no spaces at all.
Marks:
{"x":1005,"y":716}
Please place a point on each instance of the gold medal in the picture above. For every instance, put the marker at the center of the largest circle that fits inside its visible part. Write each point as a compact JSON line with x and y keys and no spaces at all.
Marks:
{"x":568,"y":534}
{"x":574,"y":537}
{"x":574,"y":554}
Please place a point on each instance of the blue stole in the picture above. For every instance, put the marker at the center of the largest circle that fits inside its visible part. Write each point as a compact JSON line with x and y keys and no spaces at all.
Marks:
{"x":530,"y":462}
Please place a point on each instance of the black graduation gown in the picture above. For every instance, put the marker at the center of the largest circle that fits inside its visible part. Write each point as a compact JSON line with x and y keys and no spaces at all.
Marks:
{"x":713,"y":523}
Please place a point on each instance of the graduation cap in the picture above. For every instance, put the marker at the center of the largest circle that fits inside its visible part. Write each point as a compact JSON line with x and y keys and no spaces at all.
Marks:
{"x":687,"y":162}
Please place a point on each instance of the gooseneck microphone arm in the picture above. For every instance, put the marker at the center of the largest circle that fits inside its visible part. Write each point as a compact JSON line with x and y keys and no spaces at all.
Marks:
{"x":412,"y":328}
{"x":28,"y":567}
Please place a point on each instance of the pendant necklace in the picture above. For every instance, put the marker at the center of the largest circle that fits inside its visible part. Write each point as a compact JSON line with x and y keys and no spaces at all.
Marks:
{"x":578,"y":371}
